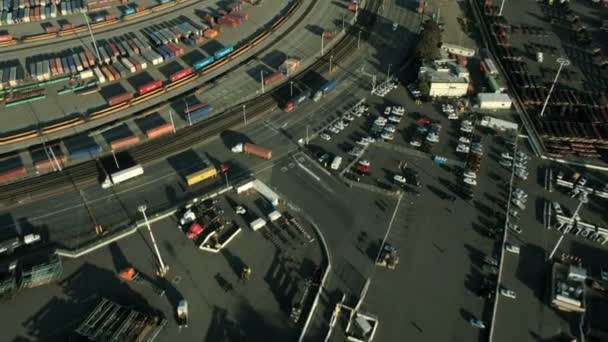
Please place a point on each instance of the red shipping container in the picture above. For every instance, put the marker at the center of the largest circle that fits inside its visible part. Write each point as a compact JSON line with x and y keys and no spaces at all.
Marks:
{"x":124,"y":142}
{"x":59,"y":66}
{"x":84,"y":60}
{"x":114,"y":49}
{"x":54,"y":70}
{"x":67,"y":26}
{"x":235,"y":18}
{"x":193,"y":108}
{"x":5,"y":37}
{"x":49,"y":163}
{"x":50,"y":29}
{"x":10,"y":174}
{"x":114,"y":100}
{"x":148,"y":87}
{"x":90,"y":57}
{"x":160,"y":130}
{"x":176,"y":49}
{"x":180,"y":74}
{"x":272,"y":77}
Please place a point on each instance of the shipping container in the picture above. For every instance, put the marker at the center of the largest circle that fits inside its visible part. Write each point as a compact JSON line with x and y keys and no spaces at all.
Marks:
{"x":121,"y":69}
{"x":160,"y":130}
{"x":223,"y":52}
{"x":148,"y":87}
{"x":199,"y":114}
{"x":117,"y":99}
{"x":108,"y":75}
{"x":180,"y":74}
{"x":273,"y":78}
{"x":154,"y":39}
{"x":12,"y":81}
{"x":210,"y":33}
{"x":202,"y":63}
{"x":86,"y":74}
{"x":201,"y":175}
{"x":296,"y":101}
{"x":258,"y":151}
{"x":84,"y":60}
{"x":12,"y":174}
{"x":122,"y":175}
{"x":127,"y":63}
{"x":100,"y":77}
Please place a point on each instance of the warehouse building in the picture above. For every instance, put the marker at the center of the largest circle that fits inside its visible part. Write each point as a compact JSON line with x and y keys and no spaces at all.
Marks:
{"x":445,"y":78}
{"x":494,"y":101}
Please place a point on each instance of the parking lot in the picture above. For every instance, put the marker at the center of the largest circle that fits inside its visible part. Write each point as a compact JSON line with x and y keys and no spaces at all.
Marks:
{"x":283,"y":267}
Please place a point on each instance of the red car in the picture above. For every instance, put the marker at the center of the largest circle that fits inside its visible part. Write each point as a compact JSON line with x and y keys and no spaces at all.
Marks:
{"x":424,"y":120}
{"x":362,"y":168}
{"x":194,"y":231}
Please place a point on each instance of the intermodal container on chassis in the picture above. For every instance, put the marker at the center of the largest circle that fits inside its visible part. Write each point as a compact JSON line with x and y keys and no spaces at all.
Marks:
{"x":148,"y":87}
{"x":114,"y":100}
{"x":121,"y":69}
{"x":180,"y":74}
{"x":160,"y":130}
{"x":273,"y":78}
{"x":127,"y":63}
{"x":200,"y":64}
{"x":100,"y":77}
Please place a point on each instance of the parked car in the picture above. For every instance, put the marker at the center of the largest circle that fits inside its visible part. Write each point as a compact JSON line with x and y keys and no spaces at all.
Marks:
{"x":557,"y":208}
{"x":507,"y":293}
{"x":398,"y":110}
{"x":387,"y":136}
{"x":470,"y":181}
{"x":477,"y":323}
{"x":416,"y":143}
{"x":462,"y":148}
{"x":464,"y":140}
{"x":325,"y":136}
{"x":333,"y":129}
{"x":348,"y":117}
{"x":399,"y":179}
{"x":511,"y":248}
{"x":394,"y":118}
{"x":387,"y":110}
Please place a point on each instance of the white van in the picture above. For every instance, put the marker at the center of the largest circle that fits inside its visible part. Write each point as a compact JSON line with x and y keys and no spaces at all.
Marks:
{"x":335,"y":164}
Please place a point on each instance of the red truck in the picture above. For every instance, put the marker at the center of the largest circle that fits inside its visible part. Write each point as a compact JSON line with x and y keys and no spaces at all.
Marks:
{"x":255,"y":150}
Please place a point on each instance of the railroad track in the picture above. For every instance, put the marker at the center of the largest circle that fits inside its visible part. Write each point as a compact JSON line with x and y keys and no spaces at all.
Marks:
{"x":88,"y":173}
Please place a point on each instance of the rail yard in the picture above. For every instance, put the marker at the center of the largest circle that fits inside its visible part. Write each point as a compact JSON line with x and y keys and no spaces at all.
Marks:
{"x":346,"y":170}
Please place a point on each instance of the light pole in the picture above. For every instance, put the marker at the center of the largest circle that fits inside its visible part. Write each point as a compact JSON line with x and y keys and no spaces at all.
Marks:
{"x":388,"y":71}
{"x":343,"y":26}
{"x":358,"y":39}
{"x":502,"y":5}
{"x":188,"y":111}
{"x":163,"y":269}
{"x":115,"y":160}
{"x":244,"y":115}
{"x":562,"y":62}
{"x":46,"y":151}
{"x":262,"y":80}
{"x":92,"y":38}
{"x":171,"y":119}
{"x":583,"y":199}
{"x":307,"y":126}
{"x":226,"y":178}
{"x":54,"y":158}
{"x":322,"y":45}
{"x":290,"y":88}
{"x":331,"y":59}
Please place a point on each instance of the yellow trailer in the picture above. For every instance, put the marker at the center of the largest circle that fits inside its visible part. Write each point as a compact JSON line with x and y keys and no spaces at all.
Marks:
{"x":201,"y":175}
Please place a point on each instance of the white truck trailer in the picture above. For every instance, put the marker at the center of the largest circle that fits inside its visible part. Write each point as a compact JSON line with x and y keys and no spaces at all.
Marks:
{"x":121,"y":176}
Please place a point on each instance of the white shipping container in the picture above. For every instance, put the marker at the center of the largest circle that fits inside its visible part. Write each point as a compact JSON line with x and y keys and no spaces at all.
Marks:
{"x":127,"y":63}
{"x":46,"y":70}
{"x":39,"y":72}
{"x":53,"y":11}
{"x":78,"y":63}
{"x":152,"y":57}
{"x":100,"y":77}
{"x":13,"y":77}
{"x":33,"y":70}
{"x":122,"y":175}
{"x":86,"y":74}
{"x":26,"y":15}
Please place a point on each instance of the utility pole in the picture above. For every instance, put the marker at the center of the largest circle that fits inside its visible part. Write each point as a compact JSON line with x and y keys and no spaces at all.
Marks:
{"x":502,"y":5}
{"x":307,"y":140}
{"x":48,"y":156}
{"x":562,"y":62}
{"x":583,"y":198}
{"x":115,"y":160}
{"x":358,"y":39}
{"x":92,"y":37}
{"x":290,"y":88}
{"x":98,"y":227}
{"x":163,"y":269}
{"x":188,"y":111}
{"x":331,"y":59}
{"x":171,"y":119}
{"x":244,"y":115}
{"x":262,"y":80}
{"x":343,"y":26}
{"x":226,"y":178}
{"x":388,"y":71}
{"x":322,"y":45}
{"x":55,"y":158}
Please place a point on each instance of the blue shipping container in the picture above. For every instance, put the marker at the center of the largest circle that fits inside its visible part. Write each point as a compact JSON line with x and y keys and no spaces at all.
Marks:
{"x":200,"y":113}
{"x":84,"y":152}
{"x":202,"y":63}
{"x":329,"y":86}
{"x":223,"y":52}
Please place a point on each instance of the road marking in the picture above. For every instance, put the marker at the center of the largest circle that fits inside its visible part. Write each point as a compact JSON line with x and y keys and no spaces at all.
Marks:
{"x":309,"y":171}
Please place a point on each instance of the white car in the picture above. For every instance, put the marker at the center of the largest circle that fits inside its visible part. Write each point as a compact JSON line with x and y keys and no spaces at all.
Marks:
{"x":356,"y":152}
{"x":507,"y":293}
{"x":506,"y":156}
{"x":453,"y":116}
{"x":557,"y":208}
{"x":470,"y":174}
{"x":348,"y":117}
{"x":357,"y":113}
{"x":188,"y":217}
{"x":389,"y":128}
{"x":388,"y":110}
{"x":399,"y":179}
{"x":515,"y":228}
{"x":362,"y":142}
{"x":394,"y":119}
{"x":505,"y":163}
{"x":364,"y":162}
{"x":477,"y":323}
{"x":462,"y":148}
{"x":387,"y":136}
{"x":398,"y":110}
{"x":339,"y":125}
{"x":325,"y":136}
{"x":466,"y":129}
{"x":333,"y":129}
{"x":464,"y":140}
{"x":432,"y":137}
{"x":380,"y":123}
{"x":369,"y":139}
{"x":416,"y":143}
{"x":511,"y":248}
{"x":470,"y":181}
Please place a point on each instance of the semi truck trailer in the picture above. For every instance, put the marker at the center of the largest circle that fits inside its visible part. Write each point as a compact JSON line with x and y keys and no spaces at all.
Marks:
{"x":255,"y":150}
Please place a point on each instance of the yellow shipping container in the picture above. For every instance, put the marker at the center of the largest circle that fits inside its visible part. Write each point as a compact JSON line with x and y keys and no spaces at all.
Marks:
{"x":201,"y":175}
